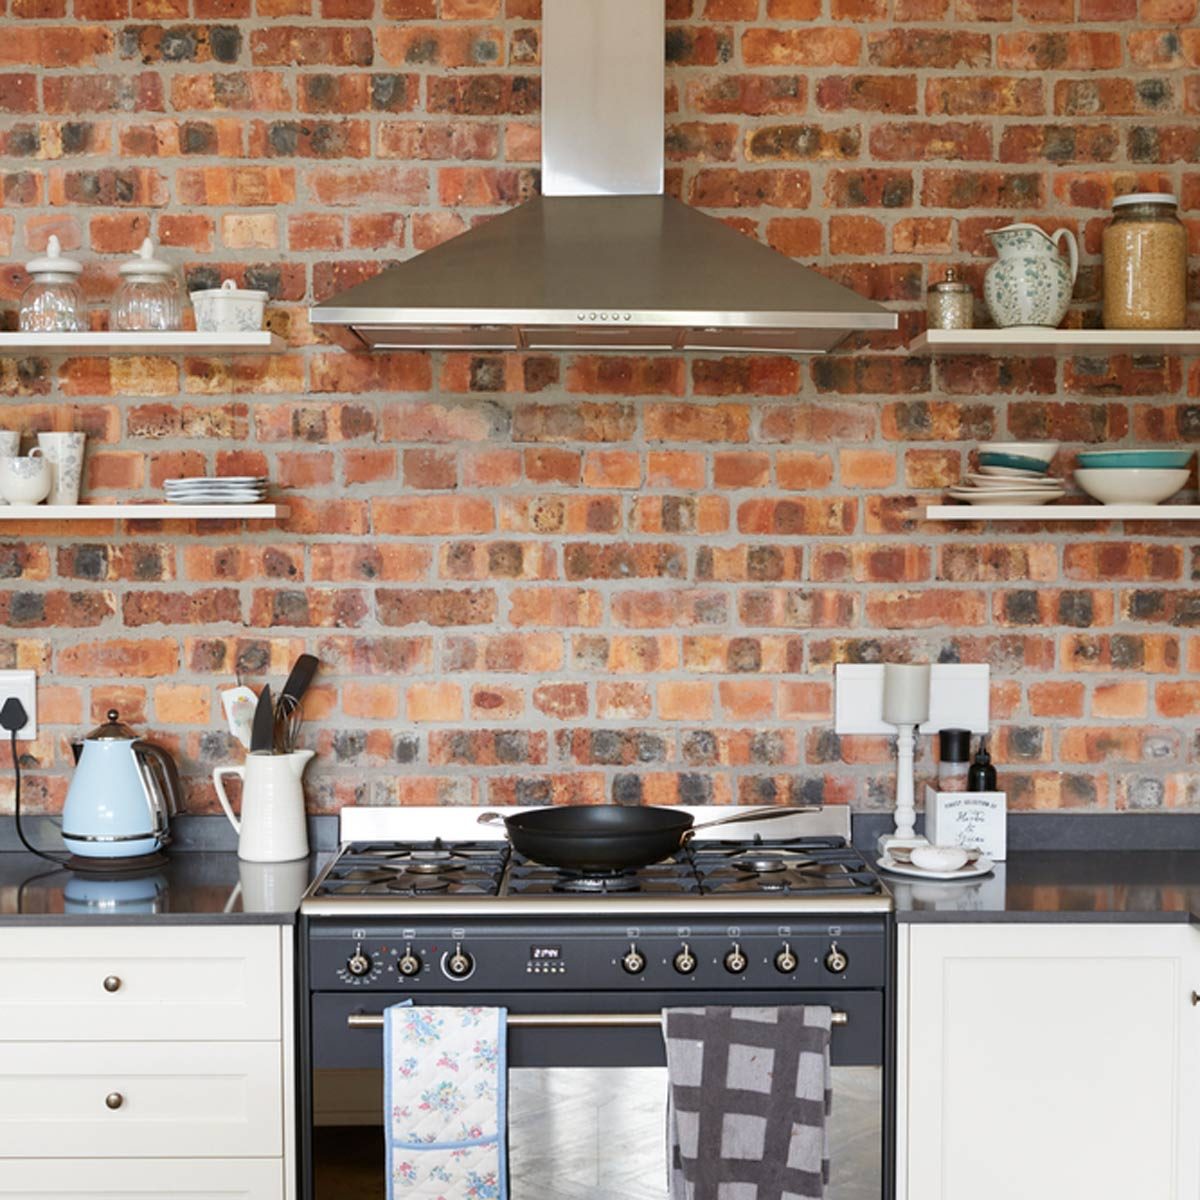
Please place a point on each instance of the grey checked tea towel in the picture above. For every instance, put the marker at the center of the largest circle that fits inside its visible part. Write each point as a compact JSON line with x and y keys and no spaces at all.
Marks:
{"x":749,"y":1094}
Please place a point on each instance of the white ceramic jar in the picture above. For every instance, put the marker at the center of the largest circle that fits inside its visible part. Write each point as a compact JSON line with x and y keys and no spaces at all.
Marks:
{"x":229,"y":309}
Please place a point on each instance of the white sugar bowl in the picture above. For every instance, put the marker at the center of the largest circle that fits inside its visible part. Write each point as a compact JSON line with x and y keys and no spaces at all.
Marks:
{"x":229,"y":309}
{"x":26,"y":480}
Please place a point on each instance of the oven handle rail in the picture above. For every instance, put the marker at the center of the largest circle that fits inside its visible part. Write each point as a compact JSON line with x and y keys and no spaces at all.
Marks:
{"x":566,"y":1020}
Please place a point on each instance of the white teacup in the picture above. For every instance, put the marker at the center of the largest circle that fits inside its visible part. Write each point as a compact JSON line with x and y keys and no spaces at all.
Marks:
{"x":26,"y":480}
{"x":64,"y":451}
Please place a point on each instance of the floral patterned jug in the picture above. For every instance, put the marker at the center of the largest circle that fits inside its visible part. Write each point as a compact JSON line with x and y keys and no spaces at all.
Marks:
{"x":1029,"y":284}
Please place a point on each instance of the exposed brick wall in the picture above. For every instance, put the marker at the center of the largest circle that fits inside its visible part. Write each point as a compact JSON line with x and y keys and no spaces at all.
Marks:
{"x":619,"y":577}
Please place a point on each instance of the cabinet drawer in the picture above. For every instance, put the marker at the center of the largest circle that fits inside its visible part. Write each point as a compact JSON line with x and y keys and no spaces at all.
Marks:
{"x":168,"y":983}
{"x":173,"y":1099}
{"x":141,"y":1179}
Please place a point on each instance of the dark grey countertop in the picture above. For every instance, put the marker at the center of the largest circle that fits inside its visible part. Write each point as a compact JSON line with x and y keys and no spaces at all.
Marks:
{"x":192,"y":887}
{"x":1146,"y":886}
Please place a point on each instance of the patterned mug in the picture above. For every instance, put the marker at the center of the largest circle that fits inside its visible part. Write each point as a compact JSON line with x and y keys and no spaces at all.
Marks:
{"x":10,"y":445}
{"x":26,"y":480}
{"x":64,"y":451}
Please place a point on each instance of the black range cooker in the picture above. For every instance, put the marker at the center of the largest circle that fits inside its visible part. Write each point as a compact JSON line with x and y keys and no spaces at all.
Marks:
{"x":418,"y":906}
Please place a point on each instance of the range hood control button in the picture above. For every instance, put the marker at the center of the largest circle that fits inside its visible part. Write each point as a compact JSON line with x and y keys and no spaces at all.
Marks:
{"x":685,"y":961}
{"x":735,"y":960}
{"x":836,"y":960}
{"x":409,"y":964}
{"x":634,"y":962}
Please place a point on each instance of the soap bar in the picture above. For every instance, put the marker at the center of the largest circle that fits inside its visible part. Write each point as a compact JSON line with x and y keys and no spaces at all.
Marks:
{"x":968,"y":819}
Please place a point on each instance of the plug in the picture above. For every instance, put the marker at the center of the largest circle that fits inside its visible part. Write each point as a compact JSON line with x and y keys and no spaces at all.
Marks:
{"x":13,"y":716}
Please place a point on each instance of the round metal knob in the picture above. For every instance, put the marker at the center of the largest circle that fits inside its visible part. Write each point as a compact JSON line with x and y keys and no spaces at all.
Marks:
{"x":408,"y":964}
{"x":112,"y":983}
{"x":785,"y":960}
{"x":685,"y":961}
{"x":634,"y":962}
{"x":358,"y":963}
{"x":460,"y":964}
{"x":114,"y":1100}
{"x":836,"y":961}
{"x":735,"y":960}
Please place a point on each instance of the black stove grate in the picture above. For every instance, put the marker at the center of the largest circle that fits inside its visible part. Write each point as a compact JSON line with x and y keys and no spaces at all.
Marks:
{"x":824,"y":866}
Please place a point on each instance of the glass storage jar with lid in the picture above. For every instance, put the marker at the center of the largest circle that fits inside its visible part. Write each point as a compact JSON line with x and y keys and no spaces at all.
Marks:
{"x":1145,"y":251}
{"x":149,"y":297}
{"x":53,"y":302}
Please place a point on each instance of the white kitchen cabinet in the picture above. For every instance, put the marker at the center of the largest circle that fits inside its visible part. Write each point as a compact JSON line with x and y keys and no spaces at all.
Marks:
{"x":147,"y":1061}
{"x":141,"y":1179}
{"x":1047,"y":1061}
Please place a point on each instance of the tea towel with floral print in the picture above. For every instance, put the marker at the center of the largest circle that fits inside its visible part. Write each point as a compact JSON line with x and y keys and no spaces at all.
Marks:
{"x":445,"y":1092}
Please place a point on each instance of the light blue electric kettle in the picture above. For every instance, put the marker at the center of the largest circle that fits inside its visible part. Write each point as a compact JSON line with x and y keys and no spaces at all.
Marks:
{"x":121,"y":796}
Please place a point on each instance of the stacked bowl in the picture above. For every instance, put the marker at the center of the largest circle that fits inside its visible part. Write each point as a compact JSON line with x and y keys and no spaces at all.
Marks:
{"x":1133,"y":476}
{"x":1011,"y":473}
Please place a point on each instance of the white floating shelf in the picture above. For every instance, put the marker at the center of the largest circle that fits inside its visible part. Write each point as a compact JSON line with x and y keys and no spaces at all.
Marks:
{"x":142,"y":343}
{"x":141,"y":512}
{"x":1063,"y":512}
{"x":1026,"y":340}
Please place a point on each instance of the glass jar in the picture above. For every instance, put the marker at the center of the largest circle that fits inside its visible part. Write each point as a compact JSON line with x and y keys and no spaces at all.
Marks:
{"x":951,"y":303}
{"x":1145,"y":264}
{"x":149,"y":297}
{"x":53,"y":302}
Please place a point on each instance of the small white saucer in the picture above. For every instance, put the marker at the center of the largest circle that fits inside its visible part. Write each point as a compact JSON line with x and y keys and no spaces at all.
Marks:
{"x":971,"y":870}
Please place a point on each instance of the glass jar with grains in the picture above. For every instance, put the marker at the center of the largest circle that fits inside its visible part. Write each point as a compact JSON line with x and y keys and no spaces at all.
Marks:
{"x":1145,"y":264}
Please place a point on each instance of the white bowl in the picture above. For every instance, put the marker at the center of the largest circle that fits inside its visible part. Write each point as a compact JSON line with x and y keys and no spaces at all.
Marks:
{"x":1042,"y":451}
{"x":1130,"y":485}
{"x":939,"y":858}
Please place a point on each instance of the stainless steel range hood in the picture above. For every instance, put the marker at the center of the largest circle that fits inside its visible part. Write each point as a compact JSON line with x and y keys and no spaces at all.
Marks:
{"x":603,"y":260}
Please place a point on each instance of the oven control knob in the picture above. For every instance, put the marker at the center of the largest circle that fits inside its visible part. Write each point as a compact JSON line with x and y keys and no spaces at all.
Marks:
{"x":735,"y":960}
{"x":685,"y":961}
{"x":836,"y":961}
{"x":634,"y":961}
{"x":459,"y":964}
{"x":785,"y":961}
{"x":408,"y":964}
{"x":358,"y":963}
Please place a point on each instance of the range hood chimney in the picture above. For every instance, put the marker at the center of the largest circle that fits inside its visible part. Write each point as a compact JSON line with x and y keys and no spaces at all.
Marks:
{"x":602,"y":260}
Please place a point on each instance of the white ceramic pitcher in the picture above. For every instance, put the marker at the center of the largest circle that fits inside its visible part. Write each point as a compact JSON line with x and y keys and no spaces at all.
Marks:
{"x":272,"y":827}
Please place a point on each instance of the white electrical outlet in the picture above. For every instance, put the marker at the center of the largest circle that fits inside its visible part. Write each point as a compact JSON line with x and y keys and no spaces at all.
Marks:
{"x":22,"y":685}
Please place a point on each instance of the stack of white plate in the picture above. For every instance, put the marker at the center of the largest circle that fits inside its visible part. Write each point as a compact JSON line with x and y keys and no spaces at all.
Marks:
{"x":1007,"y":485}
{"x":229,"y":489}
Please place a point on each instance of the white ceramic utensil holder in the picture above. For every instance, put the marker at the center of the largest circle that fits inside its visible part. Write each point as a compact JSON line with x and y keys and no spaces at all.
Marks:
{"x":968,"y":819}
{"x":272,"y":827}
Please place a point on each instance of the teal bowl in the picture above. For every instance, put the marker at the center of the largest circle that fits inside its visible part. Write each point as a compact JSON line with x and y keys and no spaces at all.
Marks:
{"x":1019,"y":462}
{"x":1154,"y":459}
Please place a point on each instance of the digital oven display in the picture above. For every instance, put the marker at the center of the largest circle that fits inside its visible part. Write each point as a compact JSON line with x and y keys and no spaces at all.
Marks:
{"x":544,"y":953}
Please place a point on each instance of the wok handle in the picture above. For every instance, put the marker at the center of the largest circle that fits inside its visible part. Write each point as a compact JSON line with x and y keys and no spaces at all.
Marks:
{"x":489,"y":818}
{"x":567,"y":1020}
{"x":764,"y":812}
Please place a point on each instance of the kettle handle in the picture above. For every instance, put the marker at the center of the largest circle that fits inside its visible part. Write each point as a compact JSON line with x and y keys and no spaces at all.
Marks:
{"x":219,"y":784}
{"x":1072,"y":249}
{"x":157,"y":762}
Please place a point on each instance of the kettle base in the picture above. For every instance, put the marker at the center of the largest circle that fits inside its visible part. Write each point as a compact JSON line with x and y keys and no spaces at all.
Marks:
{"x":116,"y":866}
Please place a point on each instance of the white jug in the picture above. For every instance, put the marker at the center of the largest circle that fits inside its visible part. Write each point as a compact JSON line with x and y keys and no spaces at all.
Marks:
{"x":273,"y":827}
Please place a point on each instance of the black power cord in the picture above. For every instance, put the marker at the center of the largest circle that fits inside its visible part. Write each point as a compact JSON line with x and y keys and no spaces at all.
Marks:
{"x":13,"y":717}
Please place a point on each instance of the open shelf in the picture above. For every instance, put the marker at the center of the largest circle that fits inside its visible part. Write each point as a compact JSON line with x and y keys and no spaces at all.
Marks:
{"x":1027,"y":340}
{"x":1063,"y":512}
{"x":142,"y":343}
{"x":141,"y":512}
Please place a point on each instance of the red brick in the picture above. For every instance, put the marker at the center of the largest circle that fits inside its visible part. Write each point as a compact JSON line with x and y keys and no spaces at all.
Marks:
{"x":822,"y":47}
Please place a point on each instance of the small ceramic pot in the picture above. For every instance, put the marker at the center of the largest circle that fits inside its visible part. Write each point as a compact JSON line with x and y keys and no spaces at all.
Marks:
{"x":26,"y":480}
{"x":10,"y":444}
{"x":229,"y":309}
{"x":64,"y":452}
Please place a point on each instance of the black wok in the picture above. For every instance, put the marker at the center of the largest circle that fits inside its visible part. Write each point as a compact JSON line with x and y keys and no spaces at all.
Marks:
{"x":612,"y":837}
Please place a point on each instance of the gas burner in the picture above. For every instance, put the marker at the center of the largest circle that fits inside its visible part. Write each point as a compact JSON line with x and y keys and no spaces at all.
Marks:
{"x":764,"y":865}
{"x":432,"y":866}
{"x":600,"y":884}
{"x":420,"y":886}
